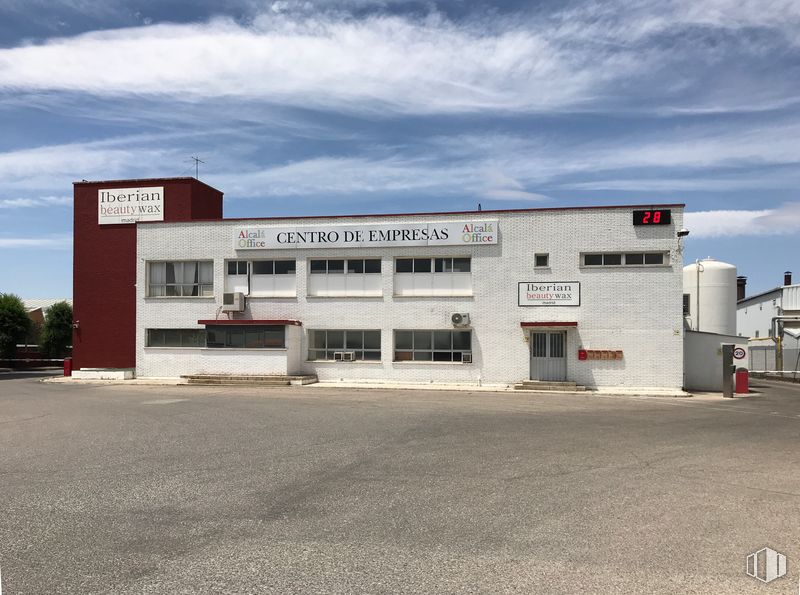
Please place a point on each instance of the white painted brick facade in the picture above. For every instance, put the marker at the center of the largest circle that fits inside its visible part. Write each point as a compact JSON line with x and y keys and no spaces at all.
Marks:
{"x":636,"y":310}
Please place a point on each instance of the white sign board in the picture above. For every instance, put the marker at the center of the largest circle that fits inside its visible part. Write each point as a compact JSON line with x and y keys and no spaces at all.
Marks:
{"x":452,"y":233}
{"x":549,"y":293}
{"x":129,"y":205}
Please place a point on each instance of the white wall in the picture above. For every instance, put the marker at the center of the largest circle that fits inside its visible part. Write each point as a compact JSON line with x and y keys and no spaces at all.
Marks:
{"x":703,"y":359}
{"x":636,"y":309}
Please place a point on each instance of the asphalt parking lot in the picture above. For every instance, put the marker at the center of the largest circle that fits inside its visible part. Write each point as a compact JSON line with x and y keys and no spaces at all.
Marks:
{"x":179,"y":489}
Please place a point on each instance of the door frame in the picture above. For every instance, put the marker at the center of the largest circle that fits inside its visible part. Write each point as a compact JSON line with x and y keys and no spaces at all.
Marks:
{"x":547,"y":332}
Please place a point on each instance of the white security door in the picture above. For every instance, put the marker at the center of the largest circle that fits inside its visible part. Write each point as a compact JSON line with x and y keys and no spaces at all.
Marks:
{"x":548,"y":356}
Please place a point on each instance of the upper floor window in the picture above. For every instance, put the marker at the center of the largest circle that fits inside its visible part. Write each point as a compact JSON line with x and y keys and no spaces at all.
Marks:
{"x":541,"y":260}
{"x":340,"y":266}
{"x":433,"y":276}
{"x":261,"y":278}
{"x":340,"y":277}
{"x":624,"y":259}
{"x":190,"y":278}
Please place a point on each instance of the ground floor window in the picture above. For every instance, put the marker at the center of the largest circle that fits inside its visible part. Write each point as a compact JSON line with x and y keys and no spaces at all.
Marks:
{"x":246,"y":336}
{"x":175,"y":337}
{"x":344,"y":345}
{"x":432,"y":345}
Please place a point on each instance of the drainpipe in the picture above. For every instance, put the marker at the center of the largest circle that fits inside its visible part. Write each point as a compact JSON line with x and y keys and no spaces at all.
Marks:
{"x":699,"y":269}
{"x":777,"y":336}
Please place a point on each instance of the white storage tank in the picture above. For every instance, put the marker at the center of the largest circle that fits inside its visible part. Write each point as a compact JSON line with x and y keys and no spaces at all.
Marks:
{"x":711,"y":287}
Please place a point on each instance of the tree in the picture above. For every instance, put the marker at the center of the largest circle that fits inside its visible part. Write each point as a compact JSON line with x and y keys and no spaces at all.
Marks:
{"x":57,"y":330}
{"x":14,"y":324}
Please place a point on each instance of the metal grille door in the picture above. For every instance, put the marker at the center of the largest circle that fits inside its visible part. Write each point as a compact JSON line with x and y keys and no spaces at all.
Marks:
{"x":548,"y":360}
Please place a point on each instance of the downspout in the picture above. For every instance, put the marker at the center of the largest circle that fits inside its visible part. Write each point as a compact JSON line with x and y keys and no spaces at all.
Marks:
{"x":699,"y":268}
{"x":777,"y":336}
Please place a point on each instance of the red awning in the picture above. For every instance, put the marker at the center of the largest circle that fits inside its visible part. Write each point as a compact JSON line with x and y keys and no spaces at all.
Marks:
{"x":242,"y":321}
{"x":529,"y":324}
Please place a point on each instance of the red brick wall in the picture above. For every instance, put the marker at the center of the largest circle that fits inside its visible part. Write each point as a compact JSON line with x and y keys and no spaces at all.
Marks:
{"x":104,"y":267}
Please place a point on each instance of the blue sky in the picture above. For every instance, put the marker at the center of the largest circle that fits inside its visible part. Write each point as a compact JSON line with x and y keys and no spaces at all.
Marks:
{"x":356,"y":106}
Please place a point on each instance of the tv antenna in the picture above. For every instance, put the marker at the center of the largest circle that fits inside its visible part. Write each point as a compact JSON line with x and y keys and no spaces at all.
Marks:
{"x":197,"y":162}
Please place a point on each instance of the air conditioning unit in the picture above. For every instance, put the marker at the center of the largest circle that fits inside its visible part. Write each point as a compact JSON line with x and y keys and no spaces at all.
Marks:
{"x":459,"y":319}
{"x":344,"y":356}
{"x":466,"y":357}
{"x":233,"y":302}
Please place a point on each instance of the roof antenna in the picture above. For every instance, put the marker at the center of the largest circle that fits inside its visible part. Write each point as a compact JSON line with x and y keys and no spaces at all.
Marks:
{"x":197,"y":162}
{"x":479,"y":207}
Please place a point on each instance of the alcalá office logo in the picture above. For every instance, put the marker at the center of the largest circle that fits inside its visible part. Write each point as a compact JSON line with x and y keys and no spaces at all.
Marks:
{"x":766,"y":565}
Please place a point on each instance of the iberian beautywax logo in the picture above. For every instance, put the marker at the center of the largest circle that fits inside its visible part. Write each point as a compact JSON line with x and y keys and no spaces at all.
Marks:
{"x":129,"y":205}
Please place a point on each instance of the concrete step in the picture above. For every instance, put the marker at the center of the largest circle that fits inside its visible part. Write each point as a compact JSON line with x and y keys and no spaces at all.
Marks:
{"x":532,"y":385}
{"x":248,"y":379}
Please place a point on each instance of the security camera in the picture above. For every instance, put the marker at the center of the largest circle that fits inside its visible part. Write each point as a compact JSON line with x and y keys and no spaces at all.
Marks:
{"x":682,"y":233}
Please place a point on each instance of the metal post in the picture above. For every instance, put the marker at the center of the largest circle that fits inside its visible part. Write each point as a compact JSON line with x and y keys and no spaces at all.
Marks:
{"x":727,"y":370}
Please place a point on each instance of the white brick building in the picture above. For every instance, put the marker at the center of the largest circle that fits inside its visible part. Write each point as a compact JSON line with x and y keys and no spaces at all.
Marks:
{"x":389,"y":307}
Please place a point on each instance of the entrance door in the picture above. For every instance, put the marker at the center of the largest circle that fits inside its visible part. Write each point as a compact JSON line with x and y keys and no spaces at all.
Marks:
{"x":548,"y":356}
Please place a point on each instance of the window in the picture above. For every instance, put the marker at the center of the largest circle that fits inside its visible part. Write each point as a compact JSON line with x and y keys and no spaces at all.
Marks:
{"x":175,"y":337}
{"x":432,"y":345}
{"x":433,"y":276}
{"x":436,"y":265}
{"x":364,"y":345}
{"x":180,"y":279}
{"x":541,"y":260}
{"x":246,"y":336}
{"x":354,"y":277}
{"x":261,"y":278}
{"x":451,"y":265}
{"x":353,"y":266}
{"x":686,"y":304}
{"x":626,"y":259}
{"x":237,"y":267}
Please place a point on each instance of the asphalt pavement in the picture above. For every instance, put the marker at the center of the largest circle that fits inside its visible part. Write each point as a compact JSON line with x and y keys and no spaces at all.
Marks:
{"x":185,"y":489}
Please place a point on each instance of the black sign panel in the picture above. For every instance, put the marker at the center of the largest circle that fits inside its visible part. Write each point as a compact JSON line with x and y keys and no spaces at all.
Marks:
{"x":652,"y":217}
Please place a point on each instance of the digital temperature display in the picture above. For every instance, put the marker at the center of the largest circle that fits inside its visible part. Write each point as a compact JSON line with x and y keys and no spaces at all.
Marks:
{"x":654,"y":217}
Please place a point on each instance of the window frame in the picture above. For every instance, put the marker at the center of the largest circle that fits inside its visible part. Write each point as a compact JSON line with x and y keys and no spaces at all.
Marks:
{"x":346,"y":266}
{"x":360,"y":352}
{"x":433,"y":260}
{"x":429,"y":346}
{"x":536,"y":257}
{"x":623,"y":259}
{"x":245,"y":329}
{"x":204,"y":289}
{"x":183,"y":334}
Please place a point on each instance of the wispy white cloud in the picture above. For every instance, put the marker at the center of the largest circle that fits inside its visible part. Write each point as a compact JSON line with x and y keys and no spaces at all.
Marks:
{"x":588,"y":56}
{"x":503,"y":187}
{"x":730,"y":223}
{"x":50,"y":242}
{"x":40,"y":201}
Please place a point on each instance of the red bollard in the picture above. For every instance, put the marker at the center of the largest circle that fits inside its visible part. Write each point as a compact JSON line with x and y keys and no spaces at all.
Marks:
{"x":742,"y":381}
{"x":67,"y":366}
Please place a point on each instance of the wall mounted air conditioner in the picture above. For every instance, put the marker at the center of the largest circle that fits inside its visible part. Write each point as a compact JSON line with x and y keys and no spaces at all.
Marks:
{"x":459,"y":319}
{"x":344,"y":356}
{"x":233,"y":302}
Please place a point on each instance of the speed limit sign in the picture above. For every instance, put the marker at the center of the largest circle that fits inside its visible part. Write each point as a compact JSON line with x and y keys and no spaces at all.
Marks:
{"x":739,"y":353}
